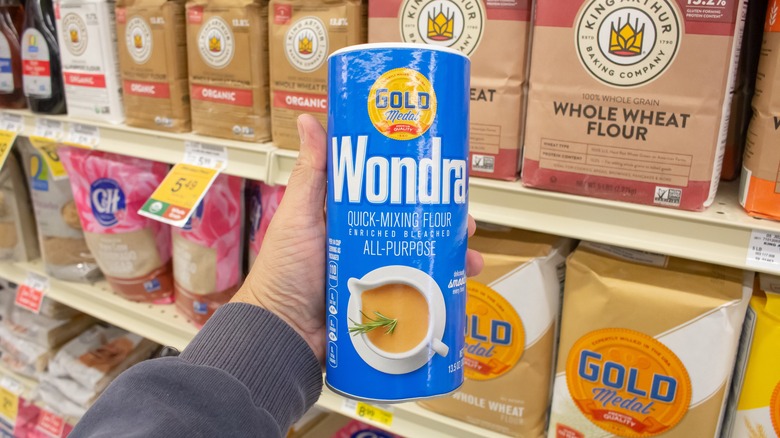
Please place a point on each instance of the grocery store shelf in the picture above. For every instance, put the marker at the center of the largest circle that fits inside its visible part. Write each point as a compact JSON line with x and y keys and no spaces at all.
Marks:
{"x":160,"y":323}
{"x":27,"y":385}
{"x":163,"y":324}
{"x":247,"y":160}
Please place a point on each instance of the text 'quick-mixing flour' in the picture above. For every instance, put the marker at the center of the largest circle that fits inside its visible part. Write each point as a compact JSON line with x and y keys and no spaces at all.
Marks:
{"x":397,"y":220}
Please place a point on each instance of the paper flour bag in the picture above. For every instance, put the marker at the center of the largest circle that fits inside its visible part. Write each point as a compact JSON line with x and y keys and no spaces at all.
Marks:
{"x":302,"y":33}
{"x":153,"y":61}
{"x":63,"y":247}
{"x":630,"y":100}
{"x":227,"y":49}
{"x":264,"y":199}
{"x":207,"y":253}
{"x":647,"y":344}
{"x":495,"y":35}
{"x":18,"y":239}
{"x":754,"y":402}
{"x":512,"y":318}
{"x":133,"y":252}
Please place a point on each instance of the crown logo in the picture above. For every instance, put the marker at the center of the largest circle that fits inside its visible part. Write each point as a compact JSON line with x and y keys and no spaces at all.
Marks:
{"x":74,"y":36}
{"x":439,"y":25}
{"x":215,"y":44}
{"x":138,"y":41}
{"x":626,"y":40}
{"x":305,"y":45}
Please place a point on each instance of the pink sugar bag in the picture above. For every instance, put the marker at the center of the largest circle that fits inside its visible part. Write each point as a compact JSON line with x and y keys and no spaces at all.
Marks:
{"x":207,"y":251}
{"x":133,"y":252}
{"x":263,"y":202}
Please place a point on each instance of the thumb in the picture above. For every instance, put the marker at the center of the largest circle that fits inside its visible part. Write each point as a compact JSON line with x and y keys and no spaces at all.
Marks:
{"x":305,"y":193}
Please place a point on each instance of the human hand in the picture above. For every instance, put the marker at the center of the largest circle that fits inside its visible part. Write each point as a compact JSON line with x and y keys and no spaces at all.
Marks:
{"x":288,"y":277}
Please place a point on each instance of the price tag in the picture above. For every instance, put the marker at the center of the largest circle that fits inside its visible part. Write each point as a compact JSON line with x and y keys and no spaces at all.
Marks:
{"x":50,"y":423}
{"x":180,"y":192}
{"x":368,"y":412}
{"x":29,"y":295}
{"x":48,"y":150}
{"x":764,"y":250}
{"x":205,"y":155}
{"x":11,"y":122}
{"x":7,"y":139}
{"x":9,"y":401}
{"x":51,"y":129}
{"x":85,"y":136}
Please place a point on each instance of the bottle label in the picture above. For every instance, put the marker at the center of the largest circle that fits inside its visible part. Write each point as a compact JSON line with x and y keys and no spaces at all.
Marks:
{"x":35,"y":65}
{"x":6,"y":73}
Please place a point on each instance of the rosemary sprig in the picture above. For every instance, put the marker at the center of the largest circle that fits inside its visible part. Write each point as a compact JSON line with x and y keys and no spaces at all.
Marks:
{"x":371,"y":324}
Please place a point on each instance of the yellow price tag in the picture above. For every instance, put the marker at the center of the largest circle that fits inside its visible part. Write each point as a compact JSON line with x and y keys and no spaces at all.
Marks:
{"x":6,"y":141}
{"x":179,"y":193}
{"x":374,"y":413}
{"x":9,"y":405}
{"x":48,"y":150}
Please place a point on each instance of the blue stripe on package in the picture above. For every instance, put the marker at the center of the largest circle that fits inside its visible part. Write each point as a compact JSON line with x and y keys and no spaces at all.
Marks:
{"x":397,"y":219}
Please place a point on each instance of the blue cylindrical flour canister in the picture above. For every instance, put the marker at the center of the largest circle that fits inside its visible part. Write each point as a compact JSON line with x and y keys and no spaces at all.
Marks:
{"x":397,"y":221}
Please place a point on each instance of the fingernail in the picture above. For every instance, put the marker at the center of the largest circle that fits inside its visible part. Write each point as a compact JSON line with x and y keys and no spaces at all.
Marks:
{"x":301,"y":131}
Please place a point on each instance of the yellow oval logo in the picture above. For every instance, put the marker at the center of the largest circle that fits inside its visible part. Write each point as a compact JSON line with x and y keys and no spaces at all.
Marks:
{"x":495,"y":337}
{"x":628,"y":383}
{"x":402,"y":104}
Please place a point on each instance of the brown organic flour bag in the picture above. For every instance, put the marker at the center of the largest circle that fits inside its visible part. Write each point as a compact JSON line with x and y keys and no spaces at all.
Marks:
{"x":512,"y":315}
{"x":227,"y":49}
{"x":629,"y":100}
{"x":647,"y":345}
{"x":18,"y":239}
{"x":302,"y":33}
{"x":153,"y":60}
{"x":495,"y":35}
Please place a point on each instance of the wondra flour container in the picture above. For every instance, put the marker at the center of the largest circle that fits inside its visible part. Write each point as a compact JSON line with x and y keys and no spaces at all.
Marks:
{"x":397,"y":220}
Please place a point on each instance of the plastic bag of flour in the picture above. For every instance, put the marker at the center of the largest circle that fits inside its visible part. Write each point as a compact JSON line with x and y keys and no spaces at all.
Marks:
{"x":647,"y":344}
{"x":512,"y":318}
{"x":133,"y":252}
{"x":207,"y":251}
{"x":263,"y":201}
{"x":63,"y":246}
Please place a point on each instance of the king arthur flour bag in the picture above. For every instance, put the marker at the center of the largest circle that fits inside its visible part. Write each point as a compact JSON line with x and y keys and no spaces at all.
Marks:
{"x":647,"y":345}
{"x":90,"y":69}
{"x":227,"y":48}
{"x":630,"y":100}
{"x":302,"y":33}
{"x":760,"y":182}
{"x":153,"y":59}
{"x":512,"y":314}
{"x":207,"y":252}
{"x":754,"y":410}
{"x":495,"y":35}
{"x":133,"y":252}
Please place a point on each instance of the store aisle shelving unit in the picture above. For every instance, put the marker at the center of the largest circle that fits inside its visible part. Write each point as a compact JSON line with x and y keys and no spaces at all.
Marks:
{"x":719,"y":235}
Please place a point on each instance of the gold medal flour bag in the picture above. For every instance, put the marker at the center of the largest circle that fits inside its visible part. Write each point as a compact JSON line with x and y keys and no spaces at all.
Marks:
{"x":227,"y":49}
{"x":755,"y":399}
{"x":495,"y":35}
{"x":153,"y":60}
{"x":512,"y":316}
{"x":302,"y":34}
{"x":629,"y":100}
{"x":647,"y":345}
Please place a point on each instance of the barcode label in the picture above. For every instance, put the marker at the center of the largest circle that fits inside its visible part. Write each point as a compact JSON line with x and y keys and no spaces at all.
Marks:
{"x":483,"y":163}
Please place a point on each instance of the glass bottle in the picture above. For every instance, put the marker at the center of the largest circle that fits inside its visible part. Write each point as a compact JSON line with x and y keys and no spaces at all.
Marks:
{"x":11,"y":21}
{"x":42,"y":70}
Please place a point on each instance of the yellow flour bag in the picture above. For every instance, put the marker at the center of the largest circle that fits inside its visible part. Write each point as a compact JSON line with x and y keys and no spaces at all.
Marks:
{"x":512,"y":313}
{"x":647,"y":346}
{"x":755,"y":397}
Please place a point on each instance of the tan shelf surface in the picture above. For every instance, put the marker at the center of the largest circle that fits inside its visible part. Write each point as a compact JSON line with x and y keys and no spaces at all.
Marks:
{"x":165,"y":325}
